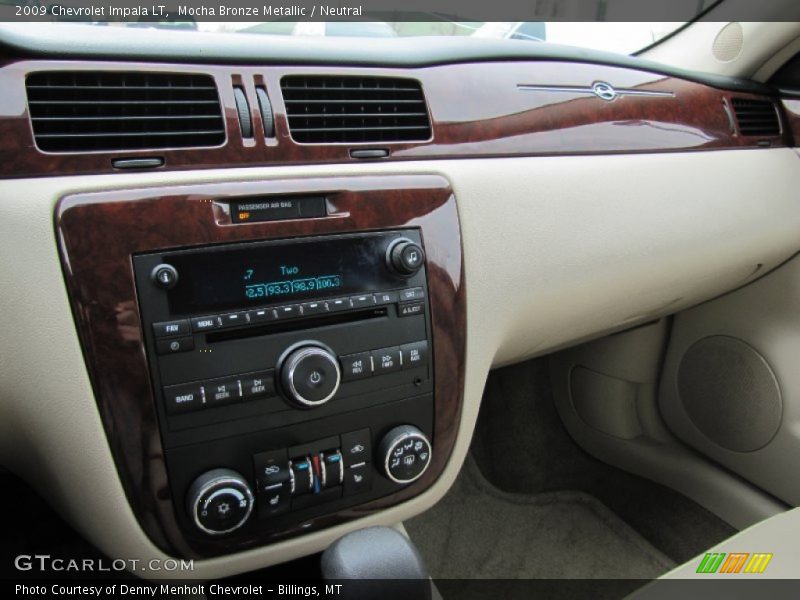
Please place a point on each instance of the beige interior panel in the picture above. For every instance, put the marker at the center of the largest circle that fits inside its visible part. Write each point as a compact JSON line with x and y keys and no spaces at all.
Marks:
{"x":763,"y":317}
{"x":692,"y":48}
{"x":556,"y":250}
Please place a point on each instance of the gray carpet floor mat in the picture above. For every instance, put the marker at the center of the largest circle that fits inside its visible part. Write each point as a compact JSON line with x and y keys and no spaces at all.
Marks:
{"x":478,"y":531}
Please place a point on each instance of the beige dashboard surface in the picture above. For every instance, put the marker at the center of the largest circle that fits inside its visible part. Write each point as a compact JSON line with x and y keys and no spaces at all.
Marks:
{"x":557,"y":250}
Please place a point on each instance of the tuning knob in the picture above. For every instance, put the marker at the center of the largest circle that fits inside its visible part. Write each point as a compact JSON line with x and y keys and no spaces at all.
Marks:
{"x":405,"y":257}
{"x":404,"y":454}
{"x":219,"y":501}
{"x":310,"y":376}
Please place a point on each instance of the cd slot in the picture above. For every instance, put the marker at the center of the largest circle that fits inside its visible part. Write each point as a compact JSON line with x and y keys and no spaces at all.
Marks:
{"x":294,"y":325}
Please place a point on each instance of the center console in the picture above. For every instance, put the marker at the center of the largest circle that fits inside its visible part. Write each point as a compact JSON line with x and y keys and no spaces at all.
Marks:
{"x":270,"y":358}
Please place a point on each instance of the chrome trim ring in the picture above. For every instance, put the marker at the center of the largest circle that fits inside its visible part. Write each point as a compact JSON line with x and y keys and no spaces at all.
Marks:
{"x":223,"y":480}
{"x":291,"y":365}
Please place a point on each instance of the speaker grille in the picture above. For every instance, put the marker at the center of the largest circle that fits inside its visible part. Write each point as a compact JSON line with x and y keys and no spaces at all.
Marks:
{"x":730,"y":393}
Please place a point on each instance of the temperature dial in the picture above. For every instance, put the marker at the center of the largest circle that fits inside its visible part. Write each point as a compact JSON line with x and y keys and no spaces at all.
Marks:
{"x":219,"y":501}
{"x":405,"y":454}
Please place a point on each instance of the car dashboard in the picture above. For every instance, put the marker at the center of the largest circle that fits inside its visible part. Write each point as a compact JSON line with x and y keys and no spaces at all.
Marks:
{"x":273,"y":290}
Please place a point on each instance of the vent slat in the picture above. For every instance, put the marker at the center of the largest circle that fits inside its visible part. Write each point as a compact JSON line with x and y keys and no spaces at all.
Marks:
{"x":126,"y":134}
{"x":756,"y":117}
{"x":333,"y":109}
{"x":81,"y":111}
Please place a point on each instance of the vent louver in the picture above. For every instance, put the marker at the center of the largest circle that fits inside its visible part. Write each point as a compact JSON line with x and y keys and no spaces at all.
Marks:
{"x":91,"y":111}
{"x":327,"y":110}
{"x":756,"y":117}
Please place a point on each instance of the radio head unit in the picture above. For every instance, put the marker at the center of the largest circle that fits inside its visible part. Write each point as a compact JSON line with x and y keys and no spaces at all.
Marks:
{"x":292,"y":377}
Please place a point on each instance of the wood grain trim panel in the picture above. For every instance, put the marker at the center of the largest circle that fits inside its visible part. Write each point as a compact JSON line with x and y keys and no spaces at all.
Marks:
{"x":477,"y":110}
{"x":99,"y":232}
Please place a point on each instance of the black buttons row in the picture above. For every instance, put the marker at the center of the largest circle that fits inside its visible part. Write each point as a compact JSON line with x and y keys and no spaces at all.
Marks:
{"x":411,"y":297}
{"x":188,"y":397}
{"x":385,"y":360}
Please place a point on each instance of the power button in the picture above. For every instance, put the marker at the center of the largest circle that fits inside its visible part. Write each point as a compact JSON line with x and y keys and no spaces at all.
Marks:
{"x":310,"y":376}
{"x":164,"y":276}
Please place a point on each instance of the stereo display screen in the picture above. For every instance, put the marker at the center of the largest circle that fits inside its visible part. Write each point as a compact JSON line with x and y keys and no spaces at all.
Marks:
{"x":258,"y":274}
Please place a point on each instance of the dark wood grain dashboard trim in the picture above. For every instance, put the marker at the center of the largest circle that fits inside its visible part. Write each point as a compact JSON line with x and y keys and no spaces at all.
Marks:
{"x":477,"y":110}
{"x":98,"y":234}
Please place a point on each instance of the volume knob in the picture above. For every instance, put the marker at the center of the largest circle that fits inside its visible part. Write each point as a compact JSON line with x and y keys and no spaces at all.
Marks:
{"x":310,"y":376}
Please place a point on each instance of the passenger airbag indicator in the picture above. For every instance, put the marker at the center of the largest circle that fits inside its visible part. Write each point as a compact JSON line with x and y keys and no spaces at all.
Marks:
{"x":260,"y":209}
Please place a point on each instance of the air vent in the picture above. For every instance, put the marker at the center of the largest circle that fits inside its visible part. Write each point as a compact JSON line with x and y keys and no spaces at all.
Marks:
{"x":84,"y":111}
{"x":756,"y":117}
{"x":328,"y":110}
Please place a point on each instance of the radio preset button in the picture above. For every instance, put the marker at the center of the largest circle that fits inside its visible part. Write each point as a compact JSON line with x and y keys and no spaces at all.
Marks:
{"x":414,"y":355}
{"x":172,"y":346}
{"x":362,"y":301}
{"x":256,"y":385}
{"x":234,"y":319}
{"x":386,"y":298}
{"x":338,"y":304}
{"x":171,"y":328}
{"x":386,"y":360}
{"x":183,"y":398}
{"x":314,"y":308}
{"x":222,"y":391}
{"x":206,"y":323}
{"x":288,"y":312}
{"x":416,"y":293}
{"x":410,"y":309}
{"x":261,"y":315}
{"x":356,"y":366}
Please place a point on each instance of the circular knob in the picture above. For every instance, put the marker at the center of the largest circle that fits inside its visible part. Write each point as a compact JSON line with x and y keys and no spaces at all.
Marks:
{"x":165,"y":276}
{"x":310,"y":376}
{"x":219,"y":501}
{"x":405,"y":454}
{"x":405,"y":257}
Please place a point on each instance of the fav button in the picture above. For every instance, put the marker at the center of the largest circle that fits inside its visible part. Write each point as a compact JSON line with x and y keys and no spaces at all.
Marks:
{"x":171,"y":328}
